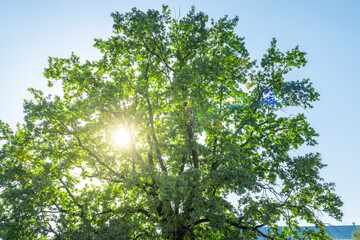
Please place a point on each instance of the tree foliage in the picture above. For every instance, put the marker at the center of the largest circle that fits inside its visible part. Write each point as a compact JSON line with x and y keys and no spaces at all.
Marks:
{"x":172,"y":84}
{"x":356,"y":234}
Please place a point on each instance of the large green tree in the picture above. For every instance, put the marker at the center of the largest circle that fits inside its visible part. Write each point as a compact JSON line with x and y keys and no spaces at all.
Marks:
{"x":202,"y":122}
{"x":356,"y":234}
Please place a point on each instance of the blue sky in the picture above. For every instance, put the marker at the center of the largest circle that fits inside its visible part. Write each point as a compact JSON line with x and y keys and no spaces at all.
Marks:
{"x":329,"y":31}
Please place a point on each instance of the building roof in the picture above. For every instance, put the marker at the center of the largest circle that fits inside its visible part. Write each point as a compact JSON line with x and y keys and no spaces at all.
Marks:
{"x":336,"y":232}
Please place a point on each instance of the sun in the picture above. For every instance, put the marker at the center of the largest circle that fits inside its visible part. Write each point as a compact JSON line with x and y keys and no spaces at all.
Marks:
{"x":121,"y":137}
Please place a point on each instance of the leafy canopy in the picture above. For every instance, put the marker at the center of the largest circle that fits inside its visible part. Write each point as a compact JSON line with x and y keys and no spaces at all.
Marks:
{"x":356,"y":234}
{"x":171,"y":85}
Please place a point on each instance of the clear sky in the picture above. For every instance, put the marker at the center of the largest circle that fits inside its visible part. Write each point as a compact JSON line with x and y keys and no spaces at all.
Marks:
{"x":329,"y":31}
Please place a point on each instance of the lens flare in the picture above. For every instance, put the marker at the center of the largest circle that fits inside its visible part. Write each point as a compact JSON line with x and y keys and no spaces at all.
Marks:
{"x":121,"y":137}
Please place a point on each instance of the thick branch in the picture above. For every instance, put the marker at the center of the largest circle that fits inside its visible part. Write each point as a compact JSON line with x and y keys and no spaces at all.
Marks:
{"x":189,"y":128}
{"x":157,"y":55}
{"x":256,"y":228}
{"x":201,"y":221}
{"x":183,"y":160}
{"x":70,"y":194}
{"x":150,"y":152}
{"x":135,"y":152}
{"x":153,"y":133}
{"x":215,"y":165}
{"x":194,"y":154}
{"x":126,"y":209}
{"x":73,"y":199}
{"x":151,"y":193}
{"x":52,"y":230}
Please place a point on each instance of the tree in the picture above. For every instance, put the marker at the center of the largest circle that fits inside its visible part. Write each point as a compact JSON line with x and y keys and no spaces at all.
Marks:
{"x":356,"y":234}
{"x":202,"y":122}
